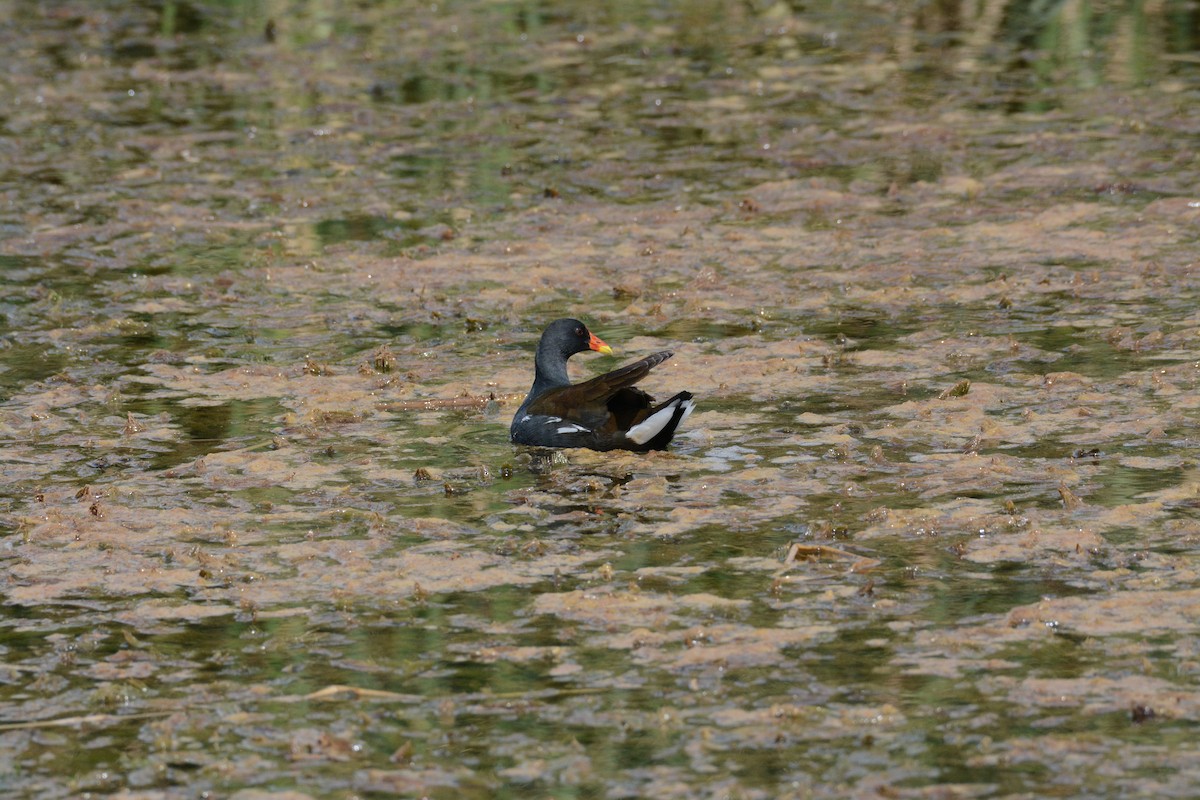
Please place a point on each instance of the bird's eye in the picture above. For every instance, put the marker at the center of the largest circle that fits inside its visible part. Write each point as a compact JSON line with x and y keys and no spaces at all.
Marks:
{"x":579,"y":332}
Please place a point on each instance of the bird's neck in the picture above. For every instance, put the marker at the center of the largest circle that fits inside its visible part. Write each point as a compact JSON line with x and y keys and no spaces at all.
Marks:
{"x":550,"y":371}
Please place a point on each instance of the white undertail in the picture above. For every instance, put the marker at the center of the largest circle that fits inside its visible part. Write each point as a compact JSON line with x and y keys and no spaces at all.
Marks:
{"x":652,"y":425}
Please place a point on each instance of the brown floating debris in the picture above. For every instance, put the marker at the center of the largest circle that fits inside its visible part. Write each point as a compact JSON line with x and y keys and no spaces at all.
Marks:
{"x":384,"y":360}
{"x":1070,"y":500}
{"x":336,"y":417}
{"x":340,"y":691}
{"x":819,"y":552}
{"x":403,"y":754}
{"x":74,"y":722}
{"x":959,"y":389}
{"x":438,"y":403}
{"x":312,"y":367}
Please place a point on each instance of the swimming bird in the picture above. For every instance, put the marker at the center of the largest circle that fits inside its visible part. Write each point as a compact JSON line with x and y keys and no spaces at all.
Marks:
{"x":604,"y":413}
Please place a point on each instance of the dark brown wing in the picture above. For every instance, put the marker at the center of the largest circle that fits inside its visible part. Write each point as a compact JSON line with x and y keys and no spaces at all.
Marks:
{"x":595,"y":393}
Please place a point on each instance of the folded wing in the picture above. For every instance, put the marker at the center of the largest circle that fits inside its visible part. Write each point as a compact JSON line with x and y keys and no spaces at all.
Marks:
{"x":595,"y":393}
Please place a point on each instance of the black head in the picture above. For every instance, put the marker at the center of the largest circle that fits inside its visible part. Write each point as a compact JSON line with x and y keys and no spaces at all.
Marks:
{"x":566,"y":337}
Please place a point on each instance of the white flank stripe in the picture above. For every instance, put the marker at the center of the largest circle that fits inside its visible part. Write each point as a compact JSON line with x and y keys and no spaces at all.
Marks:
{"x":648,"y":428}
{"x":573,"y":428}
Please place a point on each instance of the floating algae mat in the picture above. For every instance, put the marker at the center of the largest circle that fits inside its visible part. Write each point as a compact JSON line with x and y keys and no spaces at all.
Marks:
{"x":272,"y":279}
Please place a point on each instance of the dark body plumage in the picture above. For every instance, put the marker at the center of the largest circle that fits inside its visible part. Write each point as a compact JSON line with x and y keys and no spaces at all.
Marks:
{"x":604,"y":413}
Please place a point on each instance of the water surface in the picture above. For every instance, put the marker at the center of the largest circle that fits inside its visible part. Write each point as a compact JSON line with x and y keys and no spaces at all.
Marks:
{"x":930,"y":272}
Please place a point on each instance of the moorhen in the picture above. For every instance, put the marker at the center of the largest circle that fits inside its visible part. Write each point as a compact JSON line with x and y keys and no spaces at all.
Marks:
{"x":605,"y":413}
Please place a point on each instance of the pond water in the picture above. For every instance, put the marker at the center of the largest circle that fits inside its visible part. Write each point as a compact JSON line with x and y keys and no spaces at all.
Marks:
{"x":272,"y":277}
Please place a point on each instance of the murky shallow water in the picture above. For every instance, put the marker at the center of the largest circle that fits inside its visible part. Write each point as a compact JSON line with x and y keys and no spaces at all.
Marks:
{"x":238,"y":558}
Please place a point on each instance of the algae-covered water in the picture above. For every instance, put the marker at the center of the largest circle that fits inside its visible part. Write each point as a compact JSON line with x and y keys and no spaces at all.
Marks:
{"x":272,"y":277}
